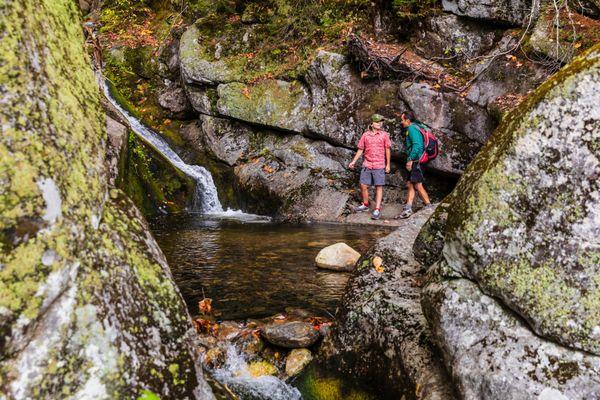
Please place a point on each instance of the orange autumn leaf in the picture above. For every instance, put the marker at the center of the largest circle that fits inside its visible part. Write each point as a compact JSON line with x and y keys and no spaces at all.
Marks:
{"x":205,"y":306}
{"x":378,"y":264}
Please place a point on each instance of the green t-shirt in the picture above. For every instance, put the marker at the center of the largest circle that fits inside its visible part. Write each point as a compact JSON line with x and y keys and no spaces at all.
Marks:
{"x":414,"y":143}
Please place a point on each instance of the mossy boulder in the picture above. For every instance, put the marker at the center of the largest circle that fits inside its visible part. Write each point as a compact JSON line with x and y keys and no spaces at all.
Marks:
{"x":274,"y":103}
{"x":523,"y":222}
{"x":200,"y":66}
{"x":492,"y":354}
{"x":88,"y":308}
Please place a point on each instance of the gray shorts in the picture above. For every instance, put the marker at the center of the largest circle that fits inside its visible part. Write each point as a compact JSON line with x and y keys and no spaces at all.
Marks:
{"x":372,"y":177}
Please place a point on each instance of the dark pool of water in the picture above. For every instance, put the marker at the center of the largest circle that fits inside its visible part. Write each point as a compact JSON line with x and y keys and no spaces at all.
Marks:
{"x":253,"y":269}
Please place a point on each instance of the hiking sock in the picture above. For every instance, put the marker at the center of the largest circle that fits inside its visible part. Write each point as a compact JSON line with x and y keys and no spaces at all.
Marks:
{"x":366,"y":204}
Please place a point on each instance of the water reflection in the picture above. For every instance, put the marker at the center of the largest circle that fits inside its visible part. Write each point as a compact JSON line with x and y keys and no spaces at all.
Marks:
{"x":255,"y":269}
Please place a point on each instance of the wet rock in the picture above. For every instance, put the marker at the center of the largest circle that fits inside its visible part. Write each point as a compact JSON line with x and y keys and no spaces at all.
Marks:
{"x":116,"y":148}
{"x":88,"y":305}
{"x":252,"y":345}
{"x":174,"y":99}
{"x":214,"y":357}
{"x":261,"y":368}
{"x":291,"y":335}
{"x":513,"y":12}
{"x":493,"y":354}
{"x":274,"y":103}
{"x":229,"y":330}
{"x":381,"y":333}
{"x":510,"y":227}
{"x":297,"y":360}
{"x":337,"y":257}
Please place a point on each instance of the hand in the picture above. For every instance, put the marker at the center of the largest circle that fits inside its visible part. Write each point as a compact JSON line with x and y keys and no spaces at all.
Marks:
{"x":351,"y":165}
{"x":409,"y":165}
{"x":387,"y":169}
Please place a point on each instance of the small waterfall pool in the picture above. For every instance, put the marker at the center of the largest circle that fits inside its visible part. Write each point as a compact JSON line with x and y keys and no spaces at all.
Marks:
{"x":252,"y":267}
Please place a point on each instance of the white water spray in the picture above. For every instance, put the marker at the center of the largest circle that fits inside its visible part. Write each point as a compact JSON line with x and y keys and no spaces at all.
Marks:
{"x":206,"y":199}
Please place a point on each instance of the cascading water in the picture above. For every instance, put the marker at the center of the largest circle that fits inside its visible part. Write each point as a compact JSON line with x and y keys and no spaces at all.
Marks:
{"x":235,"y":375}
{"x":206,"y":199}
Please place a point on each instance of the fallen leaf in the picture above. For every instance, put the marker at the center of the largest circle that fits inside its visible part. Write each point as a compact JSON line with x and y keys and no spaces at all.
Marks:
{"x":378,"y":264}
{"x":205,"y":306}
{"x":246,"y":92}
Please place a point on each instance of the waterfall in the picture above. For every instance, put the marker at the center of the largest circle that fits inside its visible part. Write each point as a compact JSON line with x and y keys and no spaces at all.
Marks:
{"x":236,"y":376}
{"x":206,"y":199}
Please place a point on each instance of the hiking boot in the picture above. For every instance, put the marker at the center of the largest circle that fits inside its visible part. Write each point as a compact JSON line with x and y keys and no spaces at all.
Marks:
{"x":361,"y":208}
{"x":406,"y":213}
{"x":427,"y":206}
{"x":376,"y":214}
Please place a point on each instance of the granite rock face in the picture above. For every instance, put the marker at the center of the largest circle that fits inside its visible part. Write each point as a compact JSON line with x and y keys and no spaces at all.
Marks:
{"x":302,"y":178}
{"x":88,"y":308}
{"x":492,"y":354}
{"x":512,"y":227}
{"x":381,"y":333}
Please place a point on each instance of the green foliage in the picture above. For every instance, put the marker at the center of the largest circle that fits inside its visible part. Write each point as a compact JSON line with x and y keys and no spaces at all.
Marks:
{"x":146,"y":394}
{"x":413,"y":8}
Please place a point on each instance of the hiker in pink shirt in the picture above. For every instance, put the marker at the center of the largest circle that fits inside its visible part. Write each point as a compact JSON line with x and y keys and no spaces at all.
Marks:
{"x":376,"y":146}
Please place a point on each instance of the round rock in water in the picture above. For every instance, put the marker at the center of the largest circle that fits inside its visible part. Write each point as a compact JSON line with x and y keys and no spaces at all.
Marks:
{"x":291,"y":335}
{"x":297,"y":360}
{"x":337,"y":257}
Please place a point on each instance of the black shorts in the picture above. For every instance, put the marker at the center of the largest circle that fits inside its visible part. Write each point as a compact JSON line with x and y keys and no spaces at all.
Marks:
{"x":415,"y":175}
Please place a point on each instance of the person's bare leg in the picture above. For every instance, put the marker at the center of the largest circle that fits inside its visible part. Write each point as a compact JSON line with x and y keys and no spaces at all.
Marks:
{"x":422,"y":192}
{"x":364,"y":189}
{"x":378,"y":196}
{"x":411,"y":194}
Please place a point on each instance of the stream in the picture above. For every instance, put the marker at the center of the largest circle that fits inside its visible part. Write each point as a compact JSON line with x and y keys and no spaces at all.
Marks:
{"x":252,"y":268}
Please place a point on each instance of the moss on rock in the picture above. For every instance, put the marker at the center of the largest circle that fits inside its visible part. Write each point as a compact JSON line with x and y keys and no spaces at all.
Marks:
{"x":512,"y":228}
{"x":79,"y":267}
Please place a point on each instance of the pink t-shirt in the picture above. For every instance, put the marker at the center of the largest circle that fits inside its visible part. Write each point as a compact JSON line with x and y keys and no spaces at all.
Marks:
{"x":374,"y":144}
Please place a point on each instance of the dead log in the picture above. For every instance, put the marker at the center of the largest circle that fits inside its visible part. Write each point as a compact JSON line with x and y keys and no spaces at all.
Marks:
{"x":392,"y":61}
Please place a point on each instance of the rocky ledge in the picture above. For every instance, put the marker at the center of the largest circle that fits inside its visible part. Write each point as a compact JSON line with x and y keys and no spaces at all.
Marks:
{"x":381,"y":332}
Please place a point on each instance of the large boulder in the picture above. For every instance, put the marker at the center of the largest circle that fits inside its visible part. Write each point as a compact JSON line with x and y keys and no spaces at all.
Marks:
{"x":88,"y":308}
{"x":513,"y":12}
{"x":492,"y":354}
{"x":458,"y":39}
{"x":274,"y":103}
{"x":381,"y":333}
{"x":513,"y":229}
{"x":199,"y":66}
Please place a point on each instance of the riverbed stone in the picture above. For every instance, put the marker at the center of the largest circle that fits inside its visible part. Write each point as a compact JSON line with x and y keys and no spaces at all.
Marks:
{"x":337,"y":257}
{"x":512,"y":229}
{"x":513,"y":12}
{"x":297,"y":360}
{"x":291,"y":335}
{"x":88,"y":305}
{"x":261,"y":368}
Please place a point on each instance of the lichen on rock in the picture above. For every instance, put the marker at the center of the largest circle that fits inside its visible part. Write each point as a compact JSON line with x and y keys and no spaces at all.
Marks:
{"x":524,"y":221}
{"x":88,"y":308}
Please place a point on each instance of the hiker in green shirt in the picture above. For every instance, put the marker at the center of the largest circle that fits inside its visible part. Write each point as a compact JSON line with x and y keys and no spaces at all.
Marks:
{"x":415,"y":147}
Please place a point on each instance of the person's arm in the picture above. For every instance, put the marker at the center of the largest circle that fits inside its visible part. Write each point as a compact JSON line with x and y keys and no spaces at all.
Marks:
{"x":359,"y":153}
{"x":388,"y":159}
{"x":388,"y":153}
